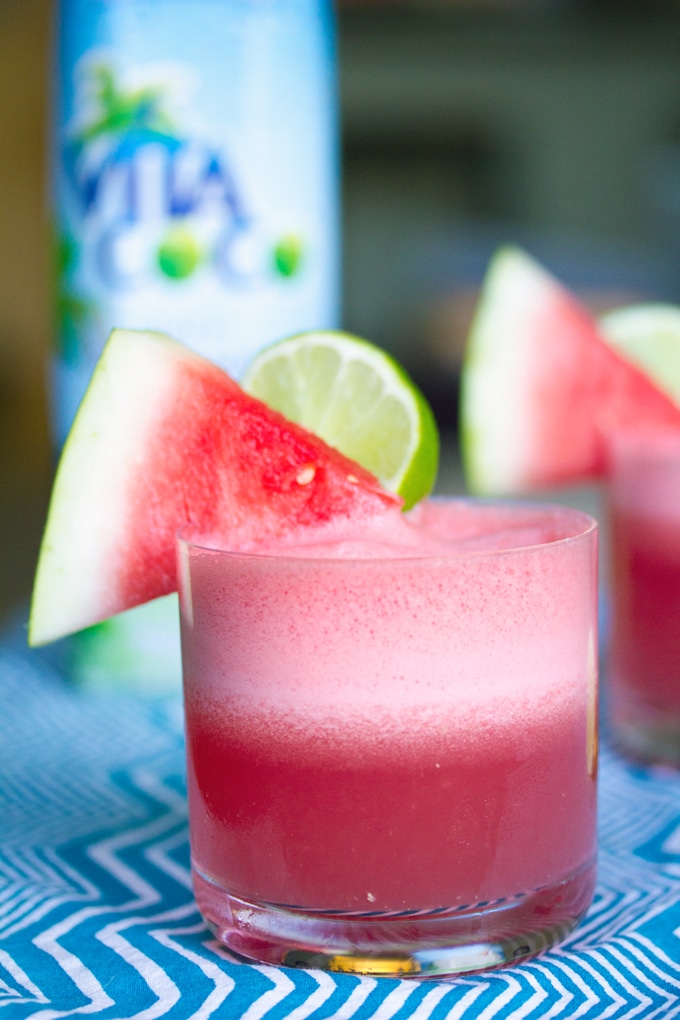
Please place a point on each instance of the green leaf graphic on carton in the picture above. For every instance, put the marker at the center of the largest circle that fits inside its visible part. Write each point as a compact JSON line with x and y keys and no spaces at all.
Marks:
{"x":121,"y":111}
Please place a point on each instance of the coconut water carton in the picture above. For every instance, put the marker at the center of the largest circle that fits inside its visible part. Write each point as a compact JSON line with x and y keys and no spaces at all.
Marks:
{"x":194,"y":191}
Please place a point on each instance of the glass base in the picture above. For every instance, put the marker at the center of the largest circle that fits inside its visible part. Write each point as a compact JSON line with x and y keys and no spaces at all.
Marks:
{"x":421,"y":944}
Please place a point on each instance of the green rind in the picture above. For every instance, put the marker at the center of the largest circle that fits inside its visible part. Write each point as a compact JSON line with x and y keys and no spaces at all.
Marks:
{"x":95,"y":458}
{"x":493,"y":416}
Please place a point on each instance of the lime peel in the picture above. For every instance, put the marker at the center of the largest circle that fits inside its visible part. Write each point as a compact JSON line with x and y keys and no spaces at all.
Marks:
{"x":649,"y":336}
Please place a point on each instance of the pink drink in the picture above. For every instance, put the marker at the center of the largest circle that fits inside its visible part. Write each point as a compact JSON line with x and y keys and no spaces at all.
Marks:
{"x":407,"y":724}
{"x":644,"y":666}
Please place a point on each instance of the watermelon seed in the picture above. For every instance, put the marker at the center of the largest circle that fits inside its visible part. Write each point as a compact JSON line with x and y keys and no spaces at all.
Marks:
{"x":352,"y":479}
{"x":306,"y":475}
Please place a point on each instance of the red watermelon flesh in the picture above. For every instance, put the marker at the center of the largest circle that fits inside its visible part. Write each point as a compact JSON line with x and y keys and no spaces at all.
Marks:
{"x":165,"y":438}
{"x":541,"y":388}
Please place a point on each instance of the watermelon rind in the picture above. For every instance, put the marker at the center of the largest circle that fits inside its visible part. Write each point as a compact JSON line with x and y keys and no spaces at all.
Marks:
{"x":103,"y":442}
{"x":496,"y":399}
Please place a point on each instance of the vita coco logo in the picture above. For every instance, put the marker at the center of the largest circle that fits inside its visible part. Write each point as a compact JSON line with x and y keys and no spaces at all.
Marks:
{"x":153,"y":202}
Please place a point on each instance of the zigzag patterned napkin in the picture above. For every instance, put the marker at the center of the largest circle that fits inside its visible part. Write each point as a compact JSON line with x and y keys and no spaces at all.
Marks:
{"x":97,"y":916}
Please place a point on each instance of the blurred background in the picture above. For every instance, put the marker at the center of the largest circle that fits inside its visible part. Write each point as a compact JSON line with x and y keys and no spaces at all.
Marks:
{"x":553,"y":124}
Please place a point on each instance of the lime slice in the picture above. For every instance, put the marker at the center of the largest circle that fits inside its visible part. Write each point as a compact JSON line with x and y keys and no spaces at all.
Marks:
{"x":649,"y":336}
{"x":356,"y":398}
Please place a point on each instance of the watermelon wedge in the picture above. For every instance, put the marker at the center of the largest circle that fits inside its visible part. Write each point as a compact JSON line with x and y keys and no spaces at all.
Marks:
{"x":165,"y":438}
{"x":541,"y":388}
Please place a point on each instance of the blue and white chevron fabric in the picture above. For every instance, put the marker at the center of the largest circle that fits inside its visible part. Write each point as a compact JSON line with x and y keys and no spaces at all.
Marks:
{"x":97,"y":917}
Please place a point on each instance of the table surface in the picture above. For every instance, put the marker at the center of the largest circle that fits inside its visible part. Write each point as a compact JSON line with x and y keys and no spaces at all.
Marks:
{"x":97,"y":916}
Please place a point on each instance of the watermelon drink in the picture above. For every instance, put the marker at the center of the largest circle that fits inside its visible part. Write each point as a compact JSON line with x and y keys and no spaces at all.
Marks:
{"x":644,"y":660}
{"x":391,"y":738}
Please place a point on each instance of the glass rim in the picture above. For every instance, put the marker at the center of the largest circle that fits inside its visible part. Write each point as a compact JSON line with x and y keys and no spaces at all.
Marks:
{"x":587,"y":527}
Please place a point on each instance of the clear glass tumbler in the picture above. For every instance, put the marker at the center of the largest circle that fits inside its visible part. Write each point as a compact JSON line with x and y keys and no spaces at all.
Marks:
{"x":643,"y":673}
{"x":392,"y":758}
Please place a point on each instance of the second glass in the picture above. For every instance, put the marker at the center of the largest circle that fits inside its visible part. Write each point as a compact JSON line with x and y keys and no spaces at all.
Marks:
{"x":644,"y":658}
{"x":392,"y":758}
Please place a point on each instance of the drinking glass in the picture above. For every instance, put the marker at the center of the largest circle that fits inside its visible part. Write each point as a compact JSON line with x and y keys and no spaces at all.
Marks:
{"x":643,"y":675}
{"x":392,"y":757}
